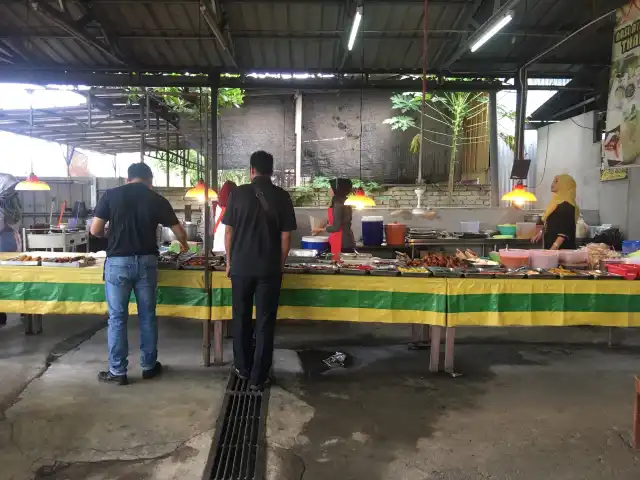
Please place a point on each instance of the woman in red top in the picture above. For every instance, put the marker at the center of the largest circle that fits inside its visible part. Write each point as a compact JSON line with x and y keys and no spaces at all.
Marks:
{"x":341,"y":239}
{"x":218,"y":226}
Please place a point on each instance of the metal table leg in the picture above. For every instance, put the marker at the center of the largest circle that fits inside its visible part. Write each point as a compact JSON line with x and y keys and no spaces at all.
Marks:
{"x":450,"y":343}
{"x":434,"y":360}
{"x":206,"y":343}
{"x":218,"y":352}
{"x":37,"y":324}
{"x":27,"y":322}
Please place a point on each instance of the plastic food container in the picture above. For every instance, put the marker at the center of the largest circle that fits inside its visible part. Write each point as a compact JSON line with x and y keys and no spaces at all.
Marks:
{"x":372,"y":231}
{"x":514,"y":258}
{"x":507,"y":229}
{"x":574,"y":258}
{"x":630,"y":246}
{"x":544,"y":258}
{"x":525,"y":230}
{"x":470,"y":227}
{"x":321,"y":244}
{"x":395,"y":234}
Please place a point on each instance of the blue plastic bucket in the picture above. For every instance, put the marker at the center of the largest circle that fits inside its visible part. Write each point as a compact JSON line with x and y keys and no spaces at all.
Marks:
{"x":630,"y":246}
{"x":321,"y":244}
{"x":372,"y":231}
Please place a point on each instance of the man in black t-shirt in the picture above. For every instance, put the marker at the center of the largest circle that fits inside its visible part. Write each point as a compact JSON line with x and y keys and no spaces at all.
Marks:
{"x":259,"y":220}
{"x":133,"y":211}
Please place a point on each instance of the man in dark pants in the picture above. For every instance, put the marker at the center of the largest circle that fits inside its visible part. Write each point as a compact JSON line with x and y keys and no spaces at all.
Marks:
{"x":133,"y":211}
{"x":259,"y":220}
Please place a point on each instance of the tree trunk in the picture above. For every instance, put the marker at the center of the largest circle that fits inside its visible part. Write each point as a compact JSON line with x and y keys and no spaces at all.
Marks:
{"x":452,"y":167}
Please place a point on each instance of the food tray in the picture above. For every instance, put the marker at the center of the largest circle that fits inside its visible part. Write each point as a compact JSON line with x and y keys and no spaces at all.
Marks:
{"x":479,"y":273}
{"x":354,"y":271}
{"x":424,"y":274}
{"x":78,"y":264}
{"x":445,"y":272}
{"x":295,"y":270}
{"x":21,"y":263}
{"x":168,"y":265}
{"x":541,"y":274}
{"x":512,"y":273}
{"x":323,"y":271}
{"x":384,"y":273}
{"x":602,"y":275}
{"x":628,"y":272}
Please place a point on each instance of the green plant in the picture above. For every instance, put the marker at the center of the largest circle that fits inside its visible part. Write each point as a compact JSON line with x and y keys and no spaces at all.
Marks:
{"x":186,"y":100}
{"x":450,"y":109}
{"x":304,"y":193}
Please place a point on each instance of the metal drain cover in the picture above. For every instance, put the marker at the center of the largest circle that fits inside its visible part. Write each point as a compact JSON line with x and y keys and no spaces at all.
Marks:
{"x":238,"y":449}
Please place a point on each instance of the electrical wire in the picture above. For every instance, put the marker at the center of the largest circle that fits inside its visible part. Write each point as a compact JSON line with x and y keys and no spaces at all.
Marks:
{"x":546,"y":156}
{"x":581,"y":126}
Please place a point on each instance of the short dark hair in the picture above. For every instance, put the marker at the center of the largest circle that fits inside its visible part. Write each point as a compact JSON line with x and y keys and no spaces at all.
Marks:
{"x":262,"y":162}
{"x":140,"y":170}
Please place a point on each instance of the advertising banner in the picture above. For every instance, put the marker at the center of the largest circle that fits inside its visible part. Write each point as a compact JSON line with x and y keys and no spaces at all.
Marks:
{"x":621,"y":145}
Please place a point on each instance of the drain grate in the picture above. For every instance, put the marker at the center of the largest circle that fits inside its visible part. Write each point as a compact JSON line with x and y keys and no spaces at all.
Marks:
{"x":237,"y":452}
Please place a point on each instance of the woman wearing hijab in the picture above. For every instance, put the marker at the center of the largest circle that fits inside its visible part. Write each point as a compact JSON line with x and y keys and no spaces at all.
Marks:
{"x":341,"y":239}
{"x":218,"y":226}
{"x":10,"y":216}
{"x":561,"y":216}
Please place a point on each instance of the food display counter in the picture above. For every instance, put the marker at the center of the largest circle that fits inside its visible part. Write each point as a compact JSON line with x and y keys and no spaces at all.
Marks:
{"x":442,"y":302}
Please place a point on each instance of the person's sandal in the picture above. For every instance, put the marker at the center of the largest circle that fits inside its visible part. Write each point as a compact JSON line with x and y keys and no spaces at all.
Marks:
{"x":237,"y":373}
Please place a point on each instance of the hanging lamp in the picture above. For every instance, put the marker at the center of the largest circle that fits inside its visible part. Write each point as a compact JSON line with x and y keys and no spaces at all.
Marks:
{"x":519,"y":195}
{"x":32,"y":183}
{"x":197,"y":192}
{"x":359,"y":200}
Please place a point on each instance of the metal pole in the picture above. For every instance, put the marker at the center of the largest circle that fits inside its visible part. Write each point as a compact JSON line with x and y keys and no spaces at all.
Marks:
{"x":494,"y":170}
{"x":425,"y":25}
{"x":214,"y":130}
{"x":142,"y":132}
{"x":298,"y":132}
{"x":168,"y":150}
{"x":206,"y":327}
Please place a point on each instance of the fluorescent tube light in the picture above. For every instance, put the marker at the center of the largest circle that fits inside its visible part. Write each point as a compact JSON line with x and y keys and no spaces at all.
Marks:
{"x":354,"y":28}
{"x":492,"y":31}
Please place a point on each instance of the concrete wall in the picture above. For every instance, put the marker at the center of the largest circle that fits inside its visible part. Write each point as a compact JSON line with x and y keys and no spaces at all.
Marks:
{"x":263,"y":123}
{"x":331,"y":143}
{"x":332,"y":146}
{"x":567,"y":147}
{"x":403,"y":196}
{"x":571,"y":150}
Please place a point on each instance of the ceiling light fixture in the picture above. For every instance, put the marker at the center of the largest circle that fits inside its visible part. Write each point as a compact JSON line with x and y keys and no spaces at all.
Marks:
{"x":499,"y":25}
{"x":354,"y":28}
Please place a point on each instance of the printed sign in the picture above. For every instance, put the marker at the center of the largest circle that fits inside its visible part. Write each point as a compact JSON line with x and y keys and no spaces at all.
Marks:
{"x":621,"y":145}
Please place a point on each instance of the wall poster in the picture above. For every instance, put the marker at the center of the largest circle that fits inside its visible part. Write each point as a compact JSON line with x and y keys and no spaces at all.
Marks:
{"x":621,"y":144}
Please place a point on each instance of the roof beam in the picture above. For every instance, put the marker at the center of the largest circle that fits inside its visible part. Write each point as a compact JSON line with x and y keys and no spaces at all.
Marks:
{"x":66,"y":23}
{"x":210,"y":17}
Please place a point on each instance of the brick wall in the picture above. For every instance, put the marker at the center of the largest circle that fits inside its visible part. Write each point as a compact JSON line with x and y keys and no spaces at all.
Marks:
{"x":405,"y":197}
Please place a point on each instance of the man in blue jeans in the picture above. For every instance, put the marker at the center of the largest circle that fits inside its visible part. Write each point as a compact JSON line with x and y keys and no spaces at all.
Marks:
{"x":133,"y":211}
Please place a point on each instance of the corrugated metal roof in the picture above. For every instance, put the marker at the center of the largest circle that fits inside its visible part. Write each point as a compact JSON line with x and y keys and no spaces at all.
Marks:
{"x":297,"y":35}
{"x":108,"y":123}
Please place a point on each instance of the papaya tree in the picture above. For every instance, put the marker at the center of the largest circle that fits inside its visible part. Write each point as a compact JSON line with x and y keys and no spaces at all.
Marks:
{"x":449,"y":110}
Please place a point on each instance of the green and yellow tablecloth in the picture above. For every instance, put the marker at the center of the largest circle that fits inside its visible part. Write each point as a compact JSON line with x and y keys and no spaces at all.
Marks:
{"x":429,"y":301}
{"x":349,"y":298}
{"x":497,"y":302}
{"x":71,"y":291}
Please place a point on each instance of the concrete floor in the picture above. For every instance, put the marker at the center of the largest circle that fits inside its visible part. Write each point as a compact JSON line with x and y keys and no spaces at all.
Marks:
{"x":529,"y":410}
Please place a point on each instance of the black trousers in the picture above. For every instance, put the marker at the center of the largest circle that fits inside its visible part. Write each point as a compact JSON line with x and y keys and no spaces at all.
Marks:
{"x":254,"y":363}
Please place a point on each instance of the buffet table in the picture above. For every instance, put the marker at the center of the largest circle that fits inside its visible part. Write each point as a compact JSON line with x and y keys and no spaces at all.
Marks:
{"x":441,"y":303}
{"x":73,"y":291}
